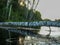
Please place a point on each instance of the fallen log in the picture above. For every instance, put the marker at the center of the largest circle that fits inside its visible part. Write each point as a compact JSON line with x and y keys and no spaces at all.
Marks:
{"x":30,"y":24}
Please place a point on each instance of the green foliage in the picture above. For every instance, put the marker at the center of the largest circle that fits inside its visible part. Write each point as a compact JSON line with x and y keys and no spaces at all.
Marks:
{"x":2,"y":9}
{"x":37,"y":16}
{"x":18,"y":13}
{"x":57,"y":19}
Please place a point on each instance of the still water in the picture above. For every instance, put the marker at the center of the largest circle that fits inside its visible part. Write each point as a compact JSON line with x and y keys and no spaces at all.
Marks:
{"x":41,"y":43}
{"x":55,"y":32}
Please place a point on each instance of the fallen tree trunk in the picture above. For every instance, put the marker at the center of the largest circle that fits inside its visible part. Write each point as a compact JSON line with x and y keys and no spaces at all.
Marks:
{"x":27,"y":24}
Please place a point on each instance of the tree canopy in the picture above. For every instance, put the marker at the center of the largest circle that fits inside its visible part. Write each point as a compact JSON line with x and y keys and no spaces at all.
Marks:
{"x":18,"y":13}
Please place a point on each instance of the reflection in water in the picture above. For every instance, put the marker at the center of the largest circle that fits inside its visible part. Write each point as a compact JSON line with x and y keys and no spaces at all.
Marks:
{"x":45,"y":30}
{"x":41,"y":43}
{"x":55,"y":31}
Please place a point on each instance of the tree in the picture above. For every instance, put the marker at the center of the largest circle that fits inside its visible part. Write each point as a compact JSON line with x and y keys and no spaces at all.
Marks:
{"x":2,"y":9}
{"x":57,"y":19}
{"x":46,"y":20}
{"x":37,"y":16}
{"x":18,"y":13}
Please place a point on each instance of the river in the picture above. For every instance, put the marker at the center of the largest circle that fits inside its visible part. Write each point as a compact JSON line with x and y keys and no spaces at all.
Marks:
{"x":41,"y":43}
{"x":55,"y":31}
{"x":44,"y":31}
